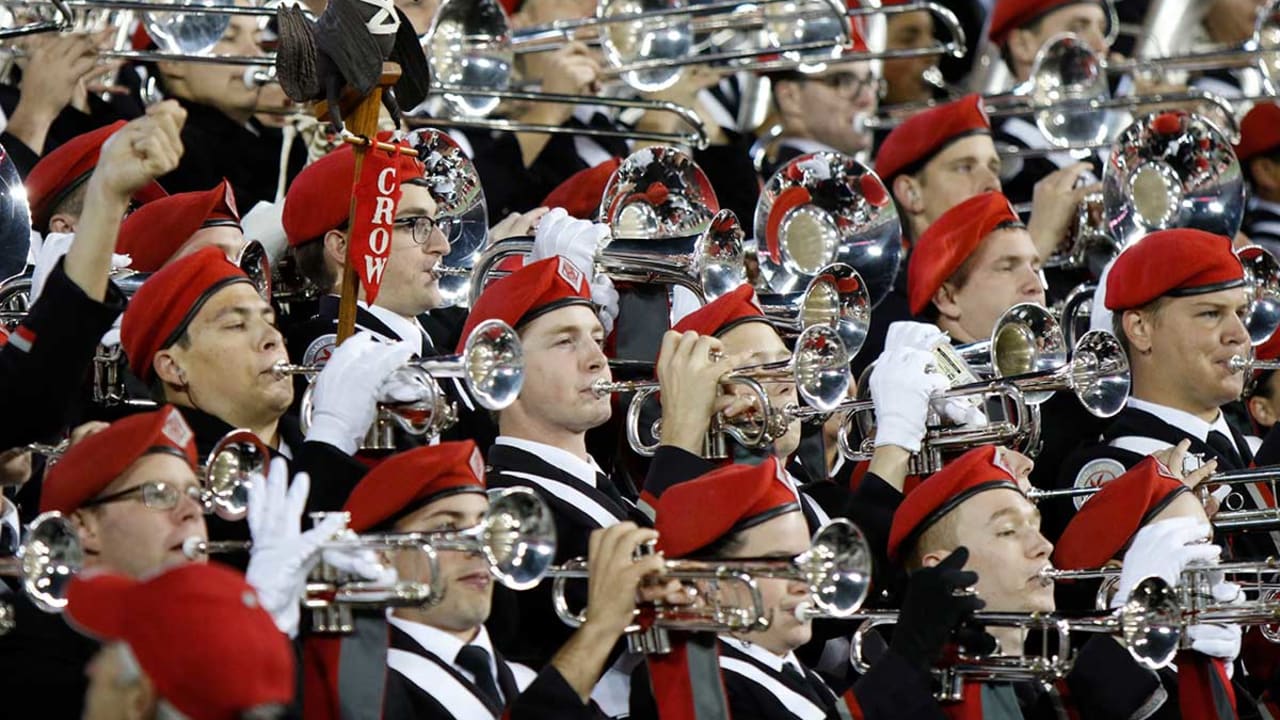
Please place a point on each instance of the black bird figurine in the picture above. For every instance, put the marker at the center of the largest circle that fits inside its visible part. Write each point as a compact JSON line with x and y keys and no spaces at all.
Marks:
{"x":346,"y":46}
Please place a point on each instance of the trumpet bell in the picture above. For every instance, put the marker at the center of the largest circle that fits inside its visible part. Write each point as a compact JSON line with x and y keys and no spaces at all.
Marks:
{"x":15,"y":219}
{"x":837,"y":297}
{"x":658,"y":192}
{"x":1150,"y":622}
{"x":469,"y":47}
{"x":1100,"y":373}
{"x":1067,"y":69}
{"x":838,"y":568}
{"x":519,"y":537}
{"x":255,"y":263}
{"x":719,"y":256}
{"x":493,"y":361}
{"x":825,"y":208}
{"x":1172,"y":169}
{"x":821,"y":367}
{"x":51,"y":555}
{"x":231,"y":463}
{"x":187,"y":33}
{"x":1262,"y":279}
{"x":1027,"y":339}
{"x":454,"y":184}
{"x":666,"y":38}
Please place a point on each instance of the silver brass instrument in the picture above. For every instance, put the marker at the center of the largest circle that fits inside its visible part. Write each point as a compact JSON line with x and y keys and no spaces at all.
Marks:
{"x":48,"y":558}
{"x":726,"y":592}
{"x":1097,"y":373}
{"x":1148,"y":626}
{"x":516,"y":537}
{"x":1262,"y":280}
{"x":819,"y":368}
{"x":836,"y":297}
{"x":490,"y":368}
{"x":825,"y":208}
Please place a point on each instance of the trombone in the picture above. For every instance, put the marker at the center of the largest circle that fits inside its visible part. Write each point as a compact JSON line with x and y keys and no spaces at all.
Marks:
{"x":516,"y":537}
{"x":1149,"y":626}
{"x":490,"y":367}
{"x":836,"y":569}
{"x":819,"y":369}
{"x":46,"y":561}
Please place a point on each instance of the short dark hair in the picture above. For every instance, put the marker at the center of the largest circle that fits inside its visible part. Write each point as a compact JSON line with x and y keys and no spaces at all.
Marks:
{"x":310,"y":260}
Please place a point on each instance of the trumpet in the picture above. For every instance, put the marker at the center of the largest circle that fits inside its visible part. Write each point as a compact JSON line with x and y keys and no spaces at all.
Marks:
{"x":490,"y":366}
{"x":1097,"y":373}
{"x":224,"y":476}
{"x":836,"y":297}
{"x":836,"y":569}
{"x":1149,"y":626}
{"x":819,"y":369}
{"x":516,"y":537}
{"x":48,"y":558}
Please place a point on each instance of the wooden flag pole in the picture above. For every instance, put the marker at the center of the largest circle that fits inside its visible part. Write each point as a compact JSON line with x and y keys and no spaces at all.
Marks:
{"x":360,"y":115}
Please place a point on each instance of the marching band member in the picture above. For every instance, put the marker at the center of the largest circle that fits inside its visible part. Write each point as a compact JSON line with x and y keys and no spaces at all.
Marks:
{"x":192,"y":642}
{"x":50,"y":351}
{"x":904,"y":77}
{"x":439,"y":660}
{"x":1178,"y":299}
{"x":178,"y":225}
{"x":1149,"y":517}
{"x":542,"y":441}
{"x":746,"y":511}
{"x":1259,"y":154}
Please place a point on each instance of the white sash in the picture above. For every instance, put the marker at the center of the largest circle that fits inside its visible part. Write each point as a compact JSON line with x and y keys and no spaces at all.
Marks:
{"x":575,"y":497}
{"x":794,"y":702}
{"x":437,"y":682}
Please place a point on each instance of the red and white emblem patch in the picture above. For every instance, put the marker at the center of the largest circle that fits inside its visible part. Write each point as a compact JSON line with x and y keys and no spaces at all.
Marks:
{"x":176,"y":429}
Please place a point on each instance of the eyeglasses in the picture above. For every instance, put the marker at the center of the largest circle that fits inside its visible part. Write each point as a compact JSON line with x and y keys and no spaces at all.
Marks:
{"x":852,"y":83}
{"x":421,"y":226}
{"x":156,"y":495}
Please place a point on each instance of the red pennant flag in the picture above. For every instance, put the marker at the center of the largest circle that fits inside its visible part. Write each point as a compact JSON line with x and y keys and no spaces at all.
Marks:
{"x":376,"y":194}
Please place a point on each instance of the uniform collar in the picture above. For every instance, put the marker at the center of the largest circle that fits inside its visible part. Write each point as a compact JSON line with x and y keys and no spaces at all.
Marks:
{"x":1184,"y":420}
{"x":584,"y":470}
{"x":443,"y":645}
{"x":406,"y":328}
{"x":761,"y":655}
{"x":1257,"y":203}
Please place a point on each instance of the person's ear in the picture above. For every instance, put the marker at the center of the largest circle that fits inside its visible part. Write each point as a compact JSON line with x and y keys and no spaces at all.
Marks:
{"x":906,"y":190}
{"x":169,"y":369}
{"x":1138,"y":327}
{"x":1261,"y":410}
{"x":932,"y":559}
{"x":945,"y":300}
{"x":335,"y":248}
{"x":140,"y":699}
{"x":787,"y":95}
{"x":86,"y":525}
{"x":62,"y":223}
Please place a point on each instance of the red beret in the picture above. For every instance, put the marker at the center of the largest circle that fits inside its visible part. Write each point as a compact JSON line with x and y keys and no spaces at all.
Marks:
{"x":1259,"y":131}
{"x":580,"y":194}
{"x":949,"y":241}
{"x":1009,"y":15}
{"x":66,"y":167}
{"x":151,"y":235}
{"x":533,"y":290}
{"x":694,"y":514}
{"x":406,"y":481}
{"x":198,"y":631}
{"x":1172,"y":262}
{"x":319,"y":199}
{"x":166,"y":303}
{"x":976,"y":471}
{"x":92,"y":464}
{"x":1104,"y":525}
{"x":724,"y":313}
{"x":917,"y":140}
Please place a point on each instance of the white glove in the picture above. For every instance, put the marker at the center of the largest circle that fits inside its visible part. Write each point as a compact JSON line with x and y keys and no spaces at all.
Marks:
{"x":901,"y":388}
{"x":362,"y":563}
{"x":605,"y":297}
{"x":344,"y":403}
{"x":1163,"y":549}
{"x":914,"y":335}
{"x":568,"y":237}
{"x":1220,"y":641}
{"x":282,"y":556}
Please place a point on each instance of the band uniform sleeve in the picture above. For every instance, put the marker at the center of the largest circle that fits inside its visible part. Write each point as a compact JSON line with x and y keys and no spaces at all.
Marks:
{"x":550,"y":696}
{"x":892,"y":688}
{"x":43,"y":366}
{"x":1105,"y":682}
{"x":334,"y":475}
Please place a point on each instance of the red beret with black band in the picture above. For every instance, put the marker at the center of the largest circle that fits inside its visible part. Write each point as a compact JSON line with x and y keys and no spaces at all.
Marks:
{"x":1177,"y":263}
{"x":152,"y":234}
{"x":406,"y":481}
{"x":915,"y":142}
{"x":694,"y":514}
{"x":531,"y":291}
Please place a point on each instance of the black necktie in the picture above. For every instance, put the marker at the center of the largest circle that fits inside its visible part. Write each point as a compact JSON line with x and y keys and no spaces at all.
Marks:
{"x":1226,"y":450}
{"x":475,"y":660}
{"x":801,"y":681}
{"x":606,"y":486}
{"x":8,"y":540}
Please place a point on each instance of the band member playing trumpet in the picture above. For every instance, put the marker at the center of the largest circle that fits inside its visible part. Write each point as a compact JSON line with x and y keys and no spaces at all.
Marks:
{"x":1179,"y":300}
{"x":439,"y":660}
{"x":741,"y":511}
{"x":542,"y":442}
{"x":195,"y":621}
{"x":1150,"y":517}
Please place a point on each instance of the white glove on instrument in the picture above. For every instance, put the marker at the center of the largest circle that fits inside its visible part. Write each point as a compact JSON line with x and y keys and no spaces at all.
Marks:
{"x":344,"y":402}
{"x":901,"y":389}
{"x":576,"y":240}
{"x":1163,"y":549}
{"x":914,"y":335}
{"x":363,"y":563}
{"x":605,"y":296}
{"x":282,"y":555}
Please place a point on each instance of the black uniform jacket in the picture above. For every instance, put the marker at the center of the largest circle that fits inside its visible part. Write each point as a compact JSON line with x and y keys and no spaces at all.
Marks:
{"x":42,"y":662}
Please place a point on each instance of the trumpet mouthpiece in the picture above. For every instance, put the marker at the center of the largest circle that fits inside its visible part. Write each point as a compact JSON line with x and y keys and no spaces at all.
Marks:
{"x":194,"y":548}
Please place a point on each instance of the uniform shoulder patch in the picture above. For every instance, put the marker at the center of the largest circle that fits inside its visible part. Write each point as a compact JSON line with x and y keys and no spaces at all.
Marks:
{"x":320,"y":349}
{"x":1094,"y":474}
